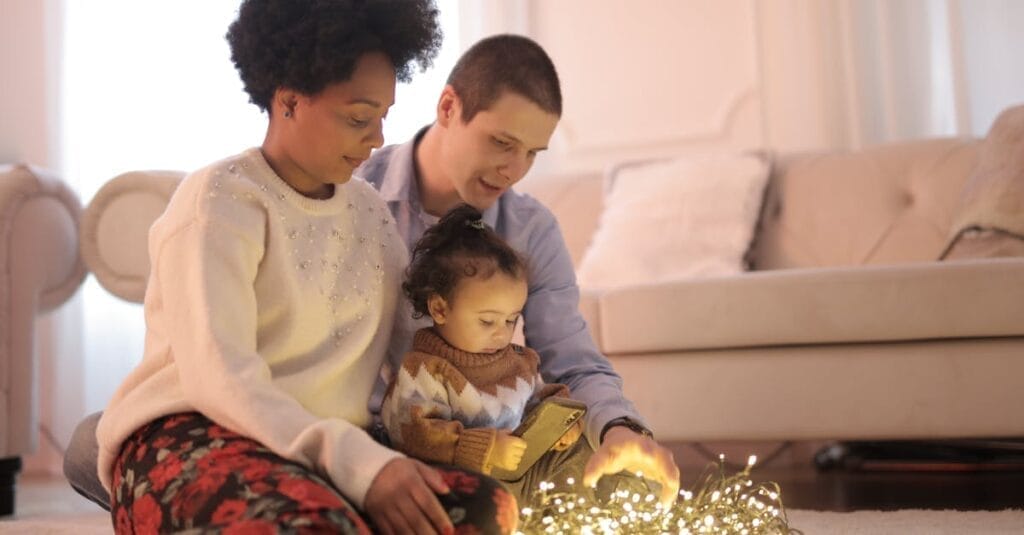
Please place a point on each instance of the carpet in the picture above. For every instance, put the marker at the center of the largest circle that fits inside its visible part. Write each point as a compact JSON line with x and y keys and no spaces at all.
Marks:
{"x":906,"y":522}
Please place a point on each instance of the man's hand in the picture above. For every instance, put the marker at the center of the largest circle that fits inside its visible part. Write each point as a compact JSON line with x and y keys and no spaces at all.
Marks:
{"x":402,"y":499}
{"x":624,"y":449}
{"x":570,"y":437}
{"x":508,"y":451}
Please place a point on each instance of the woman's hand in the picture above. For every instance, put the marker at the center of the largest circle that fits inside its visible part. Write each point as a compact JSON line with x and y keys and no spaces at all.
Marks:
{"x":508,"y":450}
{"x":570,"y":437}
{"x":402,"y":499}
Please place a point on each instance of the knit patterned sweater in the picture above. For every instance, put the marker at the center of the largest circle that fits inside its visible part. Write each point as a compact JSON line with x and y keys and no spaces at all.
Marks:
{"x":270,"y":313}
{"x":445,"y":405}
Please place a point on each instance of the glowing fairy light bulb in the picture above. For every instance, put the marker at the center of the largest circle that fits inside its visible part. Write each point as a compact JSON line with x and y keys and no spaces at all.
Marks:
{"x":720,"y":504}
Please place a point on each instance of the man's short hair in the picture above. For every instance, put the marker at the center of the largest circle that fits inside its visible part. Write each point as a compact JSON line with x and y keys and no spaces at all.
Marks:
{"x":505,"y":63}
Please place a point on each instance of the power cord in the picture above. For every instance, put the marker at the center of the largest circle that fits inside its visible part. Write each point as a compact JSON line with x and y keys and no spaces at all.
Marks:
{"x":761,"y":461}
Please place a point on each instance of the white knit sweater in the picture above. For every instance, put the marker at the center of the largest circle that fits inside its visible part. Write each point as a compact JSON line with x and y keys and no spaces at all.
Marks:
{"x":270,"y":313}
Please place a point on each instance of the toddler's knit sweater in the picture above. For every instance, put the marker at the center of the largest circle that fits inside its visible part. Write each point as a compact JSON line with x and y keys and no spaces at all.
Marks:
{"x":445,"y":405}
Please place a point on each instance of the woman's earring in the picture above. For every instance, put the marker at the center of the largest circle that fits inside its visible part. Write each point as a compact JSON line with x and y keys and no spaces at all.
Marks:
{"x":287,"y":113}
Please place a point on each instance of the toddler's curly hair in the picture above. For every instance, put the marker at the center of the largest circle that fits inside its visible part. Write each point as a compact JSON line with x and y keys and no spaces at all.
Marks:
{"x":460,"y":245}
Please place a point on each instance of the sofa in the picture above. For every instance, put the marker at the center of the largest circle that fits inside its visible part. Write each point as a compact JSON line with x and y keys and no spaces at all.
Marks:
{"x":847,"y":324}
{"x":884,"y":297}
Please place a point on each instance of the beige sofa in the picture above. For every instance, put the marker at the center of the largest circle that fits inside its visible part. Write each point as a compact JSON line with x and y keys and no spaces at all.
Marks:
{"x":849,"y":327}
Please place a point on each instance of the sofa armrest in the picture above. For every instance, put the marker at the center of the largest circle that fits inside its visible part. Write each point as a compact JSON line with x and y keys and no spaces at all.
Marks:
{"x":40,"y":268}
{"x":925,"y":301}
{"x":115,"y":229}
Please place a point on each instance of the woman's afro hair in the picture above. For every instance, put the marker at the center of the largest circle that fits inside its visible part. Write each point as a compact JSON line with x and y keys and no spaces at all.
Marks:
{"x":306,"y":45}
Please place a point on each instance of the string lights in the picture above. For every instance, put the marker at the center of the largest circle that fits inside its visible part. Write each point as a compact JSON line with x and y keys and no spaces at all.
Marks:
{"x":722,"y":504}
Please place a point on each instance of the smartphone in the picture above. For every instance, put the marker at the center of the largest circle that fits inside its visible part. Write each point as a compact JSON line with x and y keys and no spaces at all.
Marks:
{"x":541,"y":428}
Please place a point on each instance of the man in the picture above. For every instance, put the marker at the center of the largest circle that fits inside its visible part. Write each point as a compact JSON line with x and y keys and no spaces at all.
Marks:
{"x":498,"y":110}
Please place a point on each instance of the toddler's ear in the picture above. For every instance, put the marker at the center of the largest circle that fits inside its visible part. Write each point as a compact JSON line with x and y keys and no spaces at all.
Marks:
{"x":438,"y":308}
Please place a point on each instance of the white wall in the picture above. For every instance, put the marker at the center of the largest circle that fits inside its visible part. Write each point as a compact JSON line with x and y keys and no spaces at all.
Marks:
{"x":643,"y":79}
{"x":660,"y":77}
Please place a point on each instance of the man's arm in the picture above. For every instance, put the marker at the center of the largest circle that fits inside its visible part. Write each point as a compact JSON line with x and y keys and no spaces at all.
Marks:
{"x":554,"y":327}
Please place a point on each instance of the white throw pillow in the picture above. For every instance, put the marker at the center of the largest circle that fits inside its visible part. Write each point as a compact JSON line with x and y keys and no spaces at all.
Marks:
{"x":675,"y":219}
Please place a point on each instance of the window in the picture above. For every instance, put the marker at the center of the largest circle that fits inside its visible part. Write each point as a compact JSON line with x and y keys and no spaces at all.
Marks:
{"x":148,"y":84}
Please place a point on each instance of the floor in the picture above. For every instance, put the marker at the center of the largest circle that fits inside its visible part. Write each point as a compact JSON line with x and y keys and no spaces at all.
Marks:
{"x":43,"y":495}
{"x":790,"y":465}
{"x":806,"y":487}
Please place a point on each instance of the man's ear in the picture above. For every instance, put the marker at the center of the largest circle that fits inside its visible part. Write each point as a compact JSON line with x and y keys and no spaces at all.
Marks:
{"x":449,"y":106}
{"x":285,"y":101}
{"x":438,"y":309}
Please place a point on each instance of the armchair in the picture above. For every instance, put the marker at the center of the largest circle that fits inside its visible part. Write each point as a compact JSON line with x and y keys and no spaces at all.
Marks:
{"x":40,"y":268}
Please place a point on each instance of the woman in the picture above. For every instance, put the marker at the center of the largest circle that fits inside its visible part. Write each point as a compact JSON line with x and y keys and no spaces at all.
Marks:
{"x":271,"y":296}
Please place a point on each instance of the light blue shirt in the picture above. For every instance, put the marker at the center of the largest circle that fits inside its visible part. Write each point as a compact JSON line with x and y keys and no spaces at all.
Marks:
{"x":552,"y":324}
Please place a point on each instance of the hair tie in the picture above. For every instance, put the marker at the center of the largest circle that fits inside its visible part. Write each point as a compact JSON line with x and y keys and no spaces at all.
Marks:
{"x":476,"y":223}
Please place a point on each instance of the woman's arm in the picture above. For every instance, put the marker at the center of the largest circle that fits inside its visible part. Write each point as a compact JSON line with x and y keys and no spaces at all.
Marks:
{"x":205,"y":272}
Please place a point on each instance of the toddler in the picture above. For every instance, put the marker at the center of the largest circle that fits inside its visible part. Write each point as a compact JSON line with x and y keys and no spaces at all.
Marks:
{"x":464,"y":386}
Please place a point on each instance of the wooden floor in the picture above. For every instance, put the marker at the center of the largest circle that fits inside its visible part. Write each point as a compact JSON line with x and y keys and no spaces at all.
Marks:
{"x":804,"y":486}
{"x":808,"y":488}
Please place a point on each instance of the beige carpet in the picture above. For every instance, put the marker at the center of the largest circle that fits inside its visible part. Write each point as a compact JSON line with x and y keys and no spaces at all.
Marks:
{"x":909,"y":522}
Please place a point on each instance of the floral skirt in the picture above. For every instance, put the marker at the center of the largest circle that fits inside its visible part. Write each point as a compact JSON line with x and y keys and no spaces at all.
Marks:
{"x":185,"y":473}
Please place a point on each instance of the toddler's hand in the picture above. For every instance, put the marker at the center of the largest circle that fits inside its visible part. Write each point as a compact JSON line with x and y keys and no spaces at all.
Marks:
{"x":570,"y":437}
{"x":508,"y":450}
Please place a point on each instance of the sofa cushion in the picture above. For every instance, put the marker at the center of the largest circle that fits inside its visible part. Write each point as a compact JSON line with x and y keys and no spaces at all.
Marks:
{"x":574,"y":199}
{"x":993,"y":197}
{"x":962,"y":299}
{"x":976,"y":242}
{"x":885,"y":205}
{"x":686,"y":217}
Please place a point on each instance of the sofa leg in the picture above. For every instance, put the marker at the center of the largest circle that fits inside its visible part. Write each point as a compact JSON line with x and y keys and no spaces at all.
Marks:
{"x":973,"y":455}
{"x":9,"y":469}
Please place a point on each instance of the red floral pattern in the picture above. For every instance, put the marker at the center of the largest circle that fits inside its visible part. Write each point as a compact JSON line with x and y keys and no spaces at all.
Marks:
{"x":508,"y":510}
{"x":147,"y":514}
{"x":184,"y":472}
{"x":461,"y":482}
{"x":229,"y":511}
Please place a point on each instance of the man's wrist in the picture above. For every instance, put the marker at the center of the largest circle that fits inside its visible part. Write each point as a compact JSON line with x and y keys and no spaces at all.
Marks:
{"x":628,"y":423}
